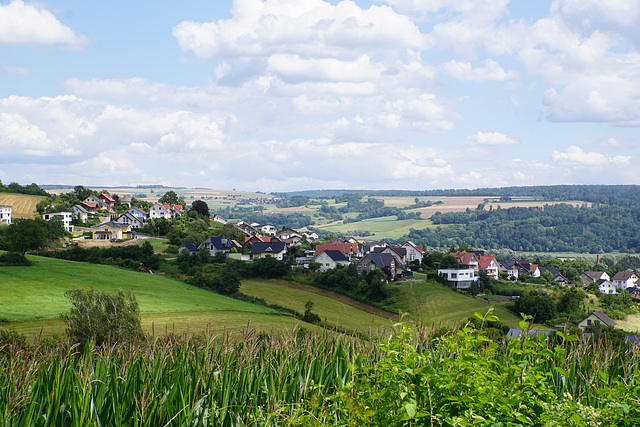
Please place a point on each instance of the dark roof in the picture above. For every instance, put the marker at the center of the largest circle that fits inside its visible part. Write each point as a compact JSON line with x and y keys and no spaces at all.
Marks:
{"x":189,"y":246}
{"x":603,"y":318}
{"x":551,"y":270}
{"x":221,"y":243}
{"x":623,"y":275}
{"x":264,"y":247}
{"x":335,"y":255}
{"x":516,"y":332}
{"x":507,"y":263}
{"x":381,"y":260}
{"x":112,"y":224}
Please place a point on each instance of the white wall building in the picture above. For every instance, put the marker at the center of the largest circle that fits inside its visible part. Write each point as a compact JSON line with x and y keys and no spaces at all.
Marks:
{"x":5,"y":214}
{"x":462,"y":278}
{"x":66,"y":217}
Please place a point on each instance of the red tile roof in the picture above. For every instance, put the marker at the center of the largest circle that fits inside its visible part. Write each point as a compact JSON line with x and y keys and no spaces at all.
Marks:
{"x":484,"y":261}
{"x":345,"y":248}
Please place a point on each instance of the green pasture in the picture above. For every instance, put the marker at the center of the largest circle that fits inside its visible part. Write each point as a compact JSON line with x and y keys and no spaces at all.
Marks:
{"x":37,"y":292}
{"x":433,"y":304}
{"x":338,"y":310}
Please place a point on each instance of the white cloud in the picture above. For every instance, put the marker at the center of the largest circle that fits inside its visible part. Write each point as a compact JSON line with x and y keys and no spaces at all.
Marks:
{"x":15,"y":70}
{"x":576,"y":156}
{"x":29,"y":24}
{"x":491,"y":71}
{"x":490,"y":139}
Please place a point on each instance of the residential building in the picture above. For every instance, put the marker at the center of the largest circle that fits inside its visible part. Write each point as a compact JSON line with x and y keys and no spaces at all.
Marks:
{"x":606,"y":287}
{"x":187,"y":247}
{"x":66,"y":217}
{"x":276,"y":250}
{"x":330,"y":259}
{"x":350,"y":250}
{"x":107,"y":201}
{"x":5,"y":214}
{"x":414,"y":252}
{"x":594,"y":318}
{"x":489,"y":265}
{"x":138,"y":213}
{"x":508,"y":266}
{"x":130,"y":219}
{"x":218,"y":218}
{"x":593,"y":276}
{"x":383,"y":261}
{"x":80,"y":213}
{"x":461,"y":278}
{"x":624,"y":279}
{"x":218,"y":244}
{"x":111,"y":230}
{"x":467,"y":260}
{"x":160,"y":210}
{"x":398,"y":253}
{"x":556,"y":276}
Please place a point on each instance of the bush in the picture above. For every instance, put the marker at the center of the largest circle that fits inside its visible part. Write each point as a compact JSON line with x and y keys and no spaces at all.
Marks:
{"x":14,"y":259}
{"x":102,"y":317}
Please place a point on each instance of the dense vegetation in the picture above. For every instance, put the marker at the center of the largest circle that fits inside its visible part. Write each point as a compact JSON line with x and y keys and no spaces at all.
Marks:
{"x":413,"y":378}
{"x":552,"y":228}
{"x":14,"y":187}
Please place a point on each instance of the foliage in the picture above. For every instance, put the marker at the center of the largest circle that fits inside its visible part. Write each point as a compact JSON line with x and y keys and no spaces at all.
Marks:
{"x":201,"y":208}
{"x":449,"y":261}
{"x":14,"y":259}
{"x":14,"y":187}
{"x":25,"y":235}
{"x":102,"y":317}
{"x":224,"y":280}
{"x":172,"y":198}
{"x":133,"y":257}
{"x":540,"y":305}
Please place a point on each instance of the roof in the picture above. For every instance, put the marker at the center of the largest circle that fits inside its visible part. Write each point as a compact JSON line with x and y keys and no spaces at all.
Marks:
{"x":484,"y":261}
{"x":516,"y":332}
{"x":221,"y":243}
{"x":554,"y":271}
{"x":106,"y":197}
{"x":507,"y":263}
{"x":410,"y":243}
{"x":335,"y":255}
{"x":345,"y":248}
{"x":464,"y":258}
{"x":270,"y":247}
{"x":80,"y":208}
{"x":112,"y":224}
{"x":90,"y":204}
{"x":260,"y":238}
{"x":189,"y":246}
{"x":602,"y":317}
{"x":381,"y":260}
{"x":623,"y":275}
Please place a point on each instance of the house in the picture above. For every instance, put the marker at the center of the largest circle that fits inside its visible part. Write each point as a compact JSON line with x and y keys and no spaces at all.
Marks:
{"x":218,"y":218}
{"x":350,"y":250}
{"x":107,"y":201}
{"x":383,"y":261}
{"x":80,"y":213}
{"x":189,"y":248}
{"x":594,"y":318}
{"x":514,"y":333}
{"x":259,"y":238}
{"x":111,"y":230}
{"x":246,"y":228}
{"x":467,"y":260}
{"x":66,"y":217}
{"x":398,"y":253}
{"x":634,"y":292}
{"x":593,"y":276}
{"x":268,"y":229}
{"x":330,"y":259}
{"x":138,"y":213}
{"x":130,"y":219}
{"x":163,"y":210}
{"x":90,"y":206}
{"x":311,"y":236}
{"x":218,"y":244}
{"x":606,"y":287}
{"x":5,"y":214}
{"x":624,"y":279}
{"x":527,"y":268}
{"x":276,"y":250}
{"x":489,"y":265}
{"x":288,"y":233}
{"x":508,"y":266}
{"x":414,"y":252}
{"x":461,"y":278}
{"x":556,"y":276}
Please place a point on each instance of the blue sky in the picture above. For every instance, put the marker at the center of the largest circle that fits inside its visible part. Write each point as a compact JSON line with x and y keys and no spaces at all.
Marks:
{"x":278,"y":95}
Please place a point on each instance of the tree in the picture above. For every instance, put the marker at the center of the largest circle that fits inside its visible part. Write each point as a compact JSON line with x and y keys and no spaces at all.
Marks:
{"x":26,"y":235}
{"x":537,"y":304}
{"x":449,"y":261}
{"x":170,"y":197}
{"x":201,"y":208}
{"x":102,"y":317}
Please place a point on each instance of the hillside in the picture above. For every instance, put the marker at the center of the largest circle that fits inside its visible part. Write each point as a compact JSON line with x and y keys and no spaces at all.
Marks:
{"x":33,"y":297}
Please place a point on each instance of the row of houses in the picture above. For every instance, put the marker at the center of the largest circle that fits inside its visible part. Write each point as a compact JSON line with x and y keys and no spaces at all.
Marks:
{"x":622,"y":280}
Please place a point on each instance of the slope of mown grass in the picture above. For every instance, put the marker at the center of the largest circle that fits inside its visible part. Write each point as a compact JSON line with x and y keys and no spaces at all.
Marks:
{"x":37,"y":292}
{"x":430,"y":303}
{"x":338,"y":310}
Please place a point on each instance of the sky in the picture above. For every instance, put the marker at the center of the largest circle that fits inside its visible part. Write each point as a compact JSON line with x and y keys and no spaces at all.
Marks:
{"x":284,"y":95}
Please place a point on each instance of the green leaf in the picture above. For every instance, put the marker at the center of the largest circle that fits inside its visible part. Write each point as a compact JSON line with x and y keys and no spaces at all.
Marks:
{"x":411,"y":409}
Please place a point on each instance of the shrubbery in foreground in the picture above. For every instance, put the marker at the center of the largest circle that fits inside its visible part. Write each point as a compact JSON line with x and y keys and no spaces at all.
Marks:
{"x":459,"y":379}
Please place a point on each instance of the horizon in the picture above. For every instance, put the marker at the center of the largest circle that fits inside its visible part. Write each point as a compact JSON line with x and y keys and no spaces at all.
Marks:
{"x":280,"y":95}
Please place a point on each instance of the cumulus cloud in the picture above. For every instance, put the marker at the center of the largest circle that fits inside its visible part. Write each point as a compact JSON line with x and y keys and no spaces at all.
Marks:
{"x":576,"y":156}
{"x":490,"y":139}
{"x":491,"y":71}
{"x":30,"y":24}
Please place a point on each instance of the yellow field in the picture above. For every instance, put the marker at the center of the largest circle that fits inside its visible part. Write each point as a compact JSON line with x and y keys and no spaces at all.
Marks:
{"x":24,"y":206}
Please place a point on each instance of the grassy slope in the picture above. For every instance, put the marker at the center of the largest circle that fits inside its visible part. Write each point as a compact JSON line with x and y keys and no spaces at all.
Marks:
{"x":33,"y":298}
{"x":431,"y":303}
{"x":335,"y":308}
{"x":392,"y":229}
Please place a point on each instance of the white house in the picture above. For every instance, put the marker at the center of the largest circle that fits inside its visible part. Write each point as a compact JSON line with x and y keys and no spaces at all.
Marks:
{"x":66,"y":217}
{"x":81,"y":213}
{"x":5,"y":214}
{"x":269,"y":230}
{"x":159,"y":210}
{"x":138,"y":213}
{"x":461,"y":278}
{"x":130,"y":219}
{"x":488,"y":264}
{"x":414,"y":252}
{"x":330,"y":259}
{"x":594,"y":318}
{"x":606,"y":287}
{"x":624,"y":280}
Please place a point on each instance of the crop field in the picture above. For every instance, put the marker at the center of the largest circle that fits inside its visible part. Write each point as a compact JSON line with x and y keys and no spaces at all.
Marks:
{"x":338,"y":310}
{"x":432,"y":304}
{"x":391,"y":229}
{"x":24,"y":206}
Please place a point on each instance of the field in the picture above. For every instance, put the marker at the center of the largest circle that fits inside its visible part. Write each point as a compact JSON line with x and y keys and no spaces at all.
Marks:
{"x":336,"y":309}
{"x":379,"y":229}
{"x":432,"y":304}
{"x":24,"y":206}
{"x":33,"y":297}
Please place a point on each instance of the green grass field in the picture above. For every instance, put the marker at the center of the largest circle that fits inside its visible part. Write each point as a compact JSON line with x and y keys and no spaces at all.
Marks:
{"x":338,"y":310}
{"x":430,"y":303}
{"x":390,"y":229}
